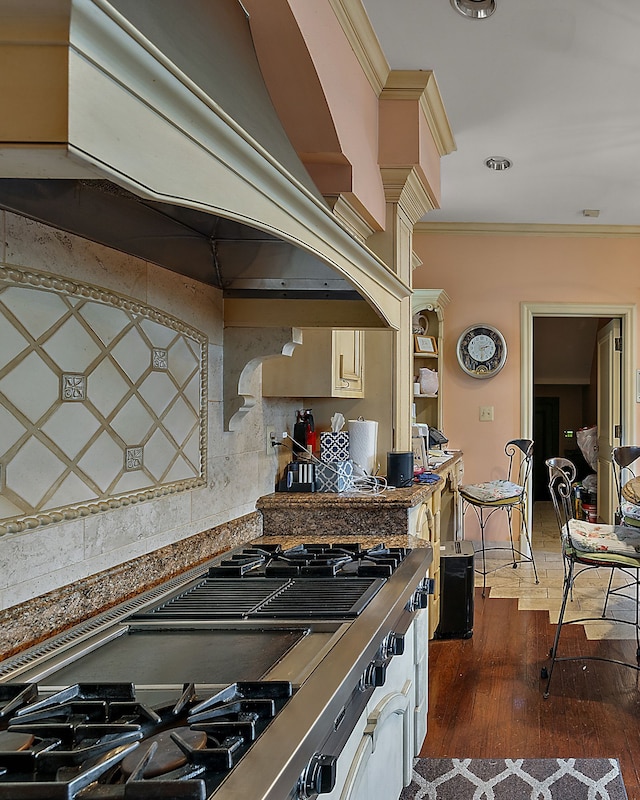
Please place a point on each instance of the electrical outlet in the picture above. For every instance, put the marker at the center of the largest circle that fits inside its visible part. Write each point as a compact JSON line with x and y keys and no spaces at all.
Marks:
{"x":270,"y":433}
{"x":486,"y":413}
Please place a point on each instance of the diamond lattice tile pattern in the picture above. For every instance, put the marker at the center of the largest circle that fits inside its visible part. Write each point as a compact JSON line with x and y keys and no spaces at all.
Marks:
{"x":84,"y":384}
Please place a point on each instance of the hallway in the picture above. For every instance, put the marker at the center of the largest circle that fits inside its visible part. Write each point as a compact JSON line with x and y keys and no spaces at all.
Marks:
{"x":486,"y":694}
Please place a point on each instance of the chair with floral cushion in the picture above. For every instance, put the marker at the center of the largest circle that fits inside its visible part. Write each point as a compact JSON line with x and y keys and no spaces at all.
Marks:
{"x":590,"y":544}
{"x":624,"y":461}
{"x":504,"y":495}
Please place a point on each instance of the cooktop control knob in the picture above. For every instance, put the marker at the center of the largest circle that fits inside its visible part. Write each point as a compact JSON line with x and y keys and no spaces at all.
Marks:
{"x":375,"y":674}
{"x":319,"y":777}
{"x":393,"y":644}
{"x":420,"y":598}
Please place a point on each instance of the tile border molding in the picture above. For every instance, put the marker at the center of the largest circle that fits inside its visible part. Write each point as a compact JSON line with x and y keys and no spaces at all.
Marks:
{"x":178,"y":461}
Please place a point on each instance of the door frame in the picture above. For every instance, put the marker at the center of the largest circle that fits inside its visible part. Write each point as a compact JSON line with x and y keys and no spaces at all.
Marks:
{"x":627,"y":313}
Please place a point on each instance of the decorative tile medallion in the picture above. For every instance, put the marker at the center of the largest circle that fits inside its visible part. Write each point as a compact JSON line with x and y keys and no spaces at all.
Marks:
{"x":133,"y":458}
{"x":83,"y":371}
{"x":73,"y":388}
{"x":160,"y":359}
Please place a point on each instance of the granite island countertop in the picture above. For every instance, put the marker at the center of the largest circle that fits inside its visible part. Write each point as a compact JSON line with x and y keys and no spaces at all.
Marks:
{"x":358,"y":514}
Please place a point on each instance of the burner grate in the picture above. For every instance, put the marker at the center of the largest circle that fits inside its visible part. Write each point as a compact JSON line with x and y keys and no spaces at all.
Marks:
{"x":321,"y":597}
{"x":225,"y":598}
{"x":241,"y":598}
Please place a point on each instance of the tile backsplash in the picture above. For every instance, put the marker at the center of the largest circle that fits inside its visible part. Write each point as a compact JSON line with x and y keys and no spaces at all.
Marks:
{"x":103,"y":400}
{"x":40,"y":559}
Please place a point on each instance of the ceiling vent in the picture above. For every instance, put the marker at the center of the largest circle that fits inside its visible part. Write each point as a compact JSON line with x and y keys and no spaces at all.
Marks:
{"x":474,"y":9}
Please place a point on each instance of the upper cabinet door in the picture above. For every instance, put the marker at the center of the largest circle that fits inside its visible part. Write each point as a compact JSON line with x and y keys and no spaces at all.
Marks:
{"x":348,"y":363}
{"x":328,"y":363}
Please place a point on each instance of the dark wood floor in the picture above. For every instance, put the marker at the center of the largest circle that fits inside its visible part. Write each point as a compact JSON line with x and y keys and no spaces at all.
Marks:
{"x":486,"y":694}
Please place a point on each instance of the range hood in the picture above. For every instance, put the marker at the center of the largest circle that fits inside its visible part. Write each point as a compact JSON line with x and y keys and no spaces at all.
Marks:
{"x":146,"y":125}
{"x":241,"y":260}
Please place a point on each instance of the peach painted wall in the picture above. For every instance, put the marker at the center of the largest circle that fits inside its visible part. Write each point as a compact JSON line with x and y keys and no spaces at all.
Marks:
{"x":322,"y":96}
{"x":487,"y":277}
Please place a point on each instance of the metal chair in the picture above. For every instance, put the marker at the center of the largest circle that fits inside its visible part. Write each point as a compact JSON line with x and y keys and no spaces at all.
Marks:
{"x":586,"y":544}
{"x":623,"y":460}
{"x":564,"y":464}
{"x":504,"y":495}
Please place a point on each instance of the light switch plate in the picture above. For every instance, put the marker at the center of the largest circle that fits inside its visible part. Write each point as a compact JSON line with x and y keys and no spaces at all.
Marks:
{"x":638,"y":386}
{"x":486,"y":413}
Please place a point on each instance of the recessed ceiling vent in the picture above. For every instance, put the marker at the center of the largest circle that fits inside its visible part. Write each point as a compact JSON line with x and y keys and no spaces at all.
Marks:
{"x":474,"y":9}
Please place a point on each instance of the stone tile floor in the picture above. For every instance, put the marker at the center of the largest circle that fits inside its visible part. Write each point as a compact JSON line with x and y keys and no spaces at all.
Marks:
{"x":590,"y":587}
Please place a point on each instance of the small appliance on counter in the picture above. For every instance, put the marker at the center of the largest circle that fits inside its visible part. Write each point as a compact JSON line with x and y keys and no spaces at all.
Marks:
{"x":400,"y":469}
{"x":304,"y":433}
{"x":299,"y":476}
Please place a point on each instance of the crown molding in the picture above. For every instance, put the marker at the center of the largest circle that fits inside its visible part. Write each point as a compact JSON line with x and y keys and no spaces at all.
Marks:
{"x":361,"y":36}
{"x":351,"y":218}
{"x":402,"y":185}
{"x":523,"y":229}
{"x":421,"y":85}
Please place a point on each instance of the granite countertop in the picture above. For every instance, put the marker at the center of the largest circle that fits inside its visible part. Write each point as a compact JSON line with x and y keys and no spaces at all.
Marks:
{"x":402,"y":498}
{"x":350,"y":501}
{"x":291,"y":540}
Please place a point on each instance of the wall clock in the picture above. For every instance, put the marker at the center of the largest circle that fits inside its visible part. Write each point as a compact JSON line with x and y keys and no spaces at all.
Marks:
{"x":481,"y":351}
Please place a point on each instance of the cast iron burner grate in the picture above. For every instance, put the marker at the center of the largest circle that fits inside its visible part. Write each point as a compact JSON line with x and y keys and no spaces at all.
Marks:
{"x":99,"y":741}
{"x":342,"y":560}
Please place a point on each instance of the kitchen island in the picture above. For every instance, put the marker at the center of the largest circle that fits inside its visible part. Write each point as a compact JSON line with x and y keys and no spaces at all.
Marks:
{"x":424,"y":512}
{"x":390,"y":512}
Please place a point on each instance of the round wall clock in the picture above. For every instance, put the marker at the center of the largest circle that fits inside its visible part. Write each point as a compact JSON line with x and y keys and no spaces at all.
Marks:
{"x":481,"y":351}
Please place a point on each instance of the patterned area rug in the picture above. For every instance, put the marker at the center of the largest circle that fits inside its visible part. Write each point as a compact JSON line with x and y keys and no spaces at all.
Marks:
{"x":515,"y":779}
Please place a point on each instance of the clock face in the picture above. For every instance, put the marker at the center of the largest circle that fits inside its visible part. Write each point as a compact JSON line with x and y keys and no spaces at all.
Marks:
{"x":482,"y":347}
{"x":481,"y":351}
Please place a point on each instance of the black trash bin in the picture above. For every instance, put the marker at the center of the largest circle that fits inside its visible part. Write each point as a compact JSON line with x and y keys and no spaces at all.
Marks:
{"x":457,"y":581}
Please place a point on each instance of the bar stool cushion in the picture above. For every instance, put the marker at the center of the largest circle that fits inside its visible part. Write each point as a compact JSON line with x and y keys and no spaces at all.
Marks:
{"x":605,"y":542}
{"x":492,"y":493}
{"x":630,"y":514}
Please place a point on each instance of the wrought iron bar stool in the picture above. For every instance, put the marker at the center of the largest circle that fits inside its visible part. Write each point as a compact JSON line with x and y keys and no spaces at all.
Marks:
{"x":504,"y":495}
{"x":625,"y":468}
{"x":588,"y":544}
{"x":623,"y":461}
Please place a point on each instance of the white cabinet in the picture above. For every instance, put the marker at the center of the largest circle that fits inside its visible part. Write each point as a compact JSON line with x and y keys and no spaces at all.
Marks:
{"x":328,"y":363}
{"x":427,"y":307}
{"x":377,"y":759}
{"x":421,"y":630}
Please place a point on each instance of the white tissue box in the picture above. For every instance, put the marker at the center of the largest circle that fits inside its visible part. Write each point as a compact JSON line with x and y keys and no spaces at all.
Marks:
{"x":334,"y":446}
{"x":334,"y":476}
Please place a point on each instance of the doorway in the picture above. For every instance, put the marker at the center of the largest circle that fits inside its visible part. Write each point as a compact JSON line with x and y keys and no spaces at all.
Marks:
{"x":546,"y":425}
{"x":627,"y":316}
